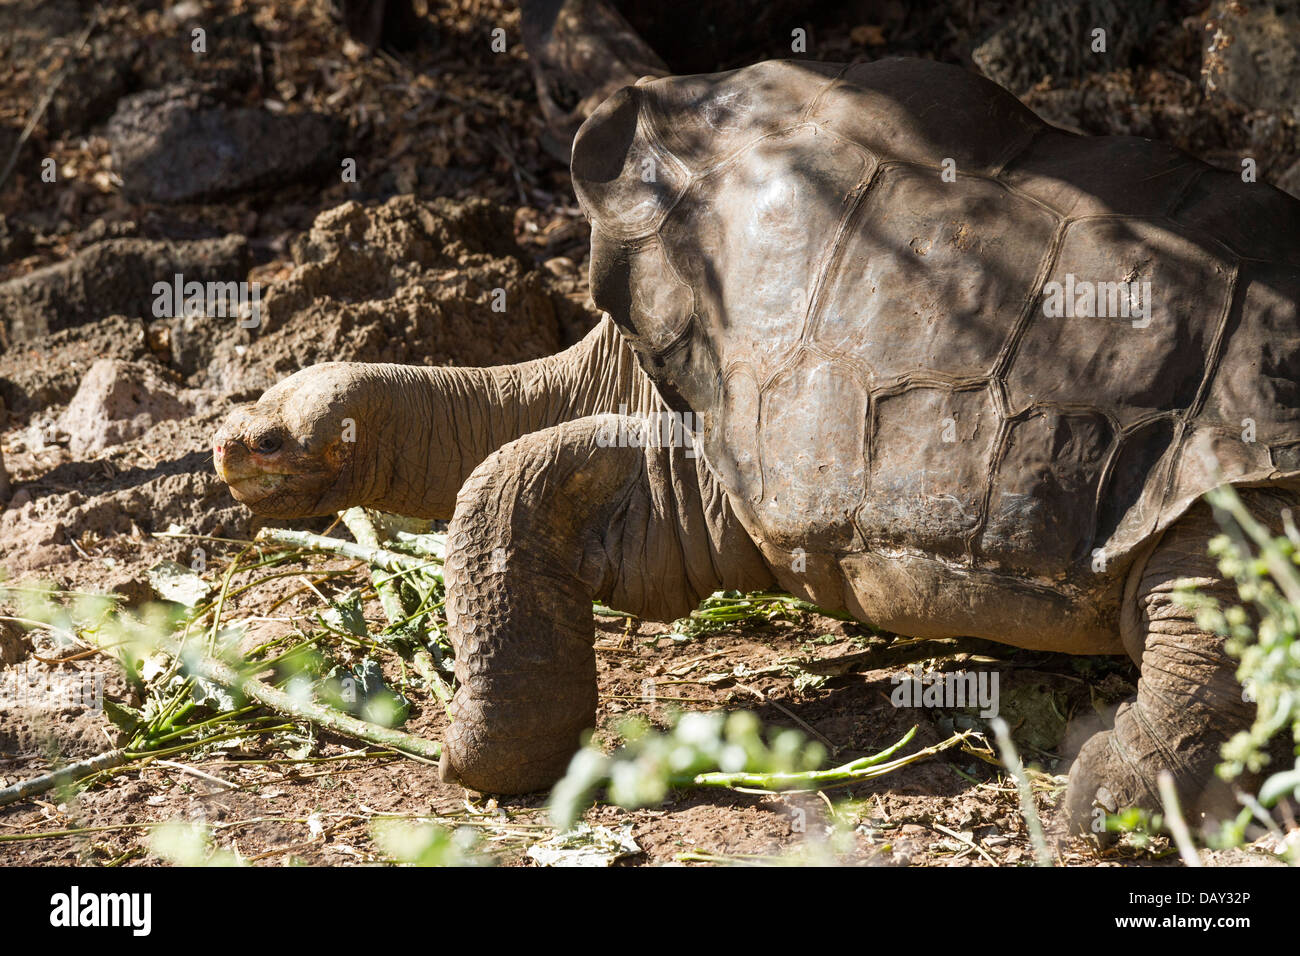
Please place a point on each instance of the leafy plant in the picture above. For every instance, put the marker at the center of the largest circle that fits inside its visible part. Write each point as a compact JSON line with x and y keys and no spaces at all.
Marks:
{"x":1264,"y":567}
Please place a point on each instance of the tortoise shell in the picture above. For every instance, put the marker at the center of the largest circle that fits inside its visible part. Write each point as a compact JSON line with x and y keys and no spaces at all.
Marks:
{"x":847,"y":275}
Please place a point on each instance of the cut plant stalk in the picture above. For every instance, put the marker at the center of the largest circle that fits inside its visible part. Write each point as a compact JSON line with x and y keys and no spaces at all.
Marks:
{"x":358,"y":521}
{"x":864,"y":768}
{"x":363,"y":529}
{"x":389,"y":561}
{"x":143,"y":746}
{"x":64,"y":775}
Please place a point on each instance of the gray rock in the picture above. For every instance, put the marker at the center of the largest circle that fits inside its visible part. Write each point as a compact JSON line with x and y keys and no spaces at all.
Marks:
{"x":178,"y":145}
{"x":114,"y":276}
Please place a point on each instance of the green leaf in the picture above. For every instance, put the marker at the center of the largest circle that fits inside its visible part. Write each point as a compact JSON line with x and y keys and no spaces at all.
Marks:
{"x":1279,"y":785}
{"x":124,"y":718}
{"x":345,"y":614}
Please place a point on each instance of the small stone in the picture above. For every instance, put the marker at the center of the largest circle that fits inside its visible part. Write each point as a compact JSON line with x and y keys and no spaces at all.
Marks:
{"x":118,"y":401}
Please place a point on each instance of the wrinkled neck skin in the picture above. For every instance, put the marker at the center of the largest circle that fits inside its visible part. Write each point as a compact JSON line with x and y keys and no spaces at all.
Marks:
{"x":435,"y":425}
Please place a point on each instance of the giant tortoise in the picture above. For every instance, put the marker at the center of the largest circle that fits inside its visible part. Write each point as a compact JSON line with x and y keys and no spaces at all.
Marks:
{"x":937,"y":364}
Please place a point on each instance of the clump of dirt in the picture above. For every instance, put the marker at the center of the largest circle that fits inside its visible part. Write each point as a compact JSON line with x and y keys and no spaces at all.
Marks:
{"x":47,"y":369}
{"x":14,"y":643}
{"x":161,"y":478}
{"x":416,"y":282}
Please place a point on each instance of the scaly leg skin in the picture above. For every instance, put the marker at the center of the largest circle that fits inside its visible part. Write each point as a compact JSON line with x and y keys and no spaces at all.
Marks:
{"x":543,"y":526}
{"x":1189,"y":701}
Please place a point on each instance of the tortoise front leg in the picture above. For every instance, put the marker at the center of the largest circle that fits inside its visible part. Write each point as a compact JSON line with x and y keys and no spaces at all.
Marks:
{"x":545,"y":525}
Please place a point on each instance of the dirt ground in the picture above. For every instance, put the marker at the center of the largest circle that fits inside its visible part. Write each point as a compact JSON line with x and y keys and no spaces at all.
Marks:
{"x":264,"y":812}
{"x":458,"y":196}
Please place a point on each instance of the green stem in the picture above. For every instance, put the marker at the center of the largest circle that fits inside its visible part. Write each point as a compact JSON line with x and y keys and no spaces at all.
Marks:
{"x":363,"y":529}
{"x":864,"y":768}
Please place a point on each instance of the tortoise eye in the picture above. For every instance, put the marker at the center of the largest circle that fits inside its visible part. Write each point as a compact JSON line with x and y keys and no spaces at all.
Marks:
{"x":267,"y":444}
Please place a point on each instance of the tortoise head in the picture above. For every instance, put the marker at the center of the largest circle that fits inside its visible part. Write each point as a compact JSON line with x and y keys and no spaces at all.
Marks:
{"x":292,"y":453}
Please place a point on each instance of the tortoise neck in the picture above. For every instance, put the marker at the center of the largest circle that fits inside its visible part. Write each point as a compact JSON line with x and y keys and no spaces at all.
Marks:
{"x":441,"y":423}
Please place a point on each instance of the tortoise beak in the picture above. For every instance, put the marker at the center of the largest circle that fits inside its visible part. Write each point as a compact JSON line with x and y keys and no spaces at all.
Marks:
{"x":230,"y":454}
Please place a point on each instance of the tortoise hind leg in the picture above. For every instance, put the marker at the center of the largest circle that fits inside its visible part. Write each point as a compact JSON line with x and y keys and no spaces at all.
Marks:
{"x":1189,"y":701}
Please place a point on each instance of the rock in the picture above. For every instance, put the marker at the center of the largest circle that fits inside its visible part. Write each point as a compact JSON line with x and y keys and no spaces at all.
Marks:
{"x":1252,"y":54}
{"x":130,"y":588}
{"x":114,"y":276}
{"x":1054,"y":38}
{"x":15,"y":240}
{"x":178,"y":144}
{"x":102,"y":229}
{"x":118,"y":401}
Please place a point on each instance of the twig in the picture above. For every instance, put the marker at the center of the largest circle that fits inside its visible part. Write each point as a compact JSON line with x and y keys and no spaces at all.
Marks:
{"x":195,"y":772}
{"x":961,"y":838}
{"x":1174,"y":817}
{"x":389,"y":561}
{"x":363,"y":529}
{"x":792,"y":715}
{"x":1011,"y":760}
{"x":864,"y":768}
